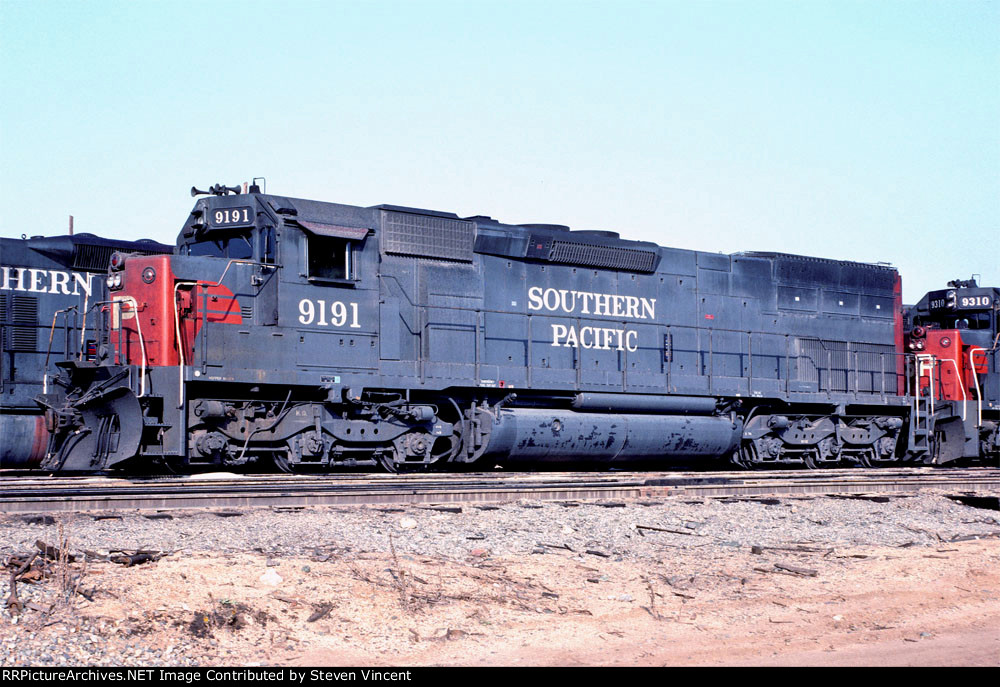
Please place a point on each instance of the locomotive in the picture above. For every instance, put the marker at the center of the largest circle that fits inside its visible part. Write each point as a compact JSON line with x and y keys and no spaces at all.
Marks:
{"x":953,"y":337}
{"x":47,"y":288}
{"x":324,"y":336}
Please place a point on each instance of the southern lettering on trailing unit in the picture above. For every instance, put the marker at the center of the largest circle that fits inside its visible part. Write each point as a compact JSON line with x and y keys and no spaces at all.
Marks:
{"x":35,"y":280}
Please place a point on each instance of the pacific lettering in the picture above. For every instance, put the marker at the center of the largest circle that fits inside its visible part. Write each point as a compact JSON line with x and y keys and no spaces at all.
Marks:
{"x":598,"y":338}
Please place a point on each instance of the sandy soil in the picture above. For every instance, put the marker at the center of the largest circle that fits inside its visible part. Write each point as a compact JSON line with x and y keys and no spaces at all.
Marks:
{"x":701,"y":606}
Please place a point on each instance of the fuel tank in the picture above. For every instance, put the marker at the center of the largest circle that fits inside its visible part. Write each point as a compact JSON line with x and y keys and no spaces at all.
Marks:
{"x":533,"y":435}
{"x":23,"y":439}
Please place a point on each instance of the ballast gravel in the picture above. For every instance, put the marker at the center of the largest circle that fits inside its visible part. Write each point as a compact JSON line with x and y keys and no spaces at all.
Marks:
{"x":616,"y":529}
{"x":622,"y":533}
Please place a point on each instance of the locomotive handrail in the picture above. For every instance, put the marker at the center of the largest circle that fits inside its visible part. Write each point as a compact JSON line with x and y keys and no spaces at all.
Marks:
{"x":975,"y":378}
{"x":119,"y":302}
{"x":177,"y":318}
{"x":386,"y":277}
{"x":961,"y":385}
{"x":48,"y":353}
{"x":142,"y":343}
{"x":83,"y":326}
{"x":849,"y":352}
{"x":921,"y":360}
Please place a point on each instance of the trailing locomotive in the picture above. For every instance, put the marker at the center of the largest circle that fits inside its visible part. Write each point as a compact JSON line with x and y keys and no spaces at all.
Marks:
{"x":319,"y":335}
{"x":953,"y":337}
{"x":48,"y":286}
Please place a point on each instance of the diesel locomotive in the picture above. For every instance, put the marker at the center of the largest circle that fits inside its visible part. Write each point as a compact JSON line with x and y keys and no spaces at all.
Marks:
{"x":47,"y":285}
{"x":322,"y":336}
{"x":952,"y":335}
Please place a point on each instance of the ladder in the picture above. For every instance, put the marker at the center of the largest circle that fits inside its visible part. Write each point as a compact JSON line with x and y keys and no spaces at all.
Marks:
{"x":922,"y":426}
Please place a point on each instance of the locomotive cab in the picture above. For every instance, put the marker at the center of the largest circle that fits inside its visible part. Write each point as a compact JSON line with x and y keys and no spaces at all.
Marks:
{"x":252,"y":273}
{"x":953,"y":337}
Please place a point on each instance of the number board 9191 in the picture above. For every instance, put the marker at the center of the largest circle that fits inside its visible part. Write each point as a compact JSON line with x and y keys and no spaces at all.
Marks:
{"x":337,"y":315}
{"x":231,"y":217}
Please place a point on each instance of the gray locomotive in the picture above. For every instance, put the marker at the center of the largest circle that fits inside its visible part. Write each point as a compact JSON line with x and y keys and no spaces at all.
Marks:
{"x":319,"y":335}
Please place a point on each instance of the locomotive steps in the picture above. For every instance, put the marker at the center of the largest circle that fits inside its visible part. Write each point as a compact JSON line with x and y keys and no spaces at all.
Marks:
{"x":68,"y":494}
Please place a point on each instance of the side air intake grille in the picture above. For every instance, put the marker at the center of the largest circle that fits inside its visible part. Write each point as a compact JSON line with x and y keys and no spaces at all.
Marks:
{"x":846,"y":366}
{"x":610,"y":257}
{"x":426,"y":236}
{"x":93,"y":258}
{"x":23,"y":315}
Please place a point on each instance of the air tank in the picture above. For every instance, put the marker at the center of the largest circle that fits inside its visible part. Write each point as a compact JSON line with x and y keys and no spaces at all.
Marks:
{"x":23,"y":439}
{"x":534,"y":435}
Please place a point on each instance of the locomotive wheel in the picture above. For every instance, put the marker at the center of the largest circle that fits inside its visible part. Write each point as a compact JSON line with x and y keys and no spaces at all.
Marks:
{"x":867,"y":458}
{"x":281,"y":463}
{"x":746,"y":456}
{"x":173,"y":466}
{"x":387,"y":462}
{"x":810,"y":458}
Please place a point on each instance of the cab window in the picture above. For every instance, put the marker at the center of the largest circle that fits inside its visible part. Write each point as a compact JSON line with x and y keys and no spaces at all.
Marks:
{"x":329,"y":257}
{"x":236,"y":247}
{"x":973,"y":321}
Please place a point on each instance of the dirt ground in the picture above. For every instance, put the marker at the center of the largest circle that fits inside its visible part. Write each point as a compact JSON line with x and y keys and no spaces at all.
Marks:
{"x":801,"y":605}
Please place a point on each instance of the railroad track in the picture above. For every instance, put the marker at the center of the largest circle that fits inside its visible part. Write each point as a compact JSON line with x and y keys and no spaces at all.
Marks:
{"x":55,"y":494}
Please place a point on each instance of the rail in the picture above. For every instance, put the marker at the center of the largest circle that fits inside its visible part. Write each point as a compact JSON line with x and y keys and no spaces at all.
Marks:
{"x":25,"y":495}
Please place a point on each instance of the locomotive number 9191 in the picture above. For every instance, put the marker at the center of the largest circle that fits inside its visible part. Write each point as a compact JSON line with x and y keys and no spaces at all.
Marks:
{"x":339,"y":313}
{"x":232,"y":217}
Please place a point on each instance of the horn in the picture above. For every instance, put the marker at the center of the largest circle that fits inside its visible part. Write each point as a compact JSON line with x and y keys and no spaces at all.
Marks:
{"x":196,"y":192}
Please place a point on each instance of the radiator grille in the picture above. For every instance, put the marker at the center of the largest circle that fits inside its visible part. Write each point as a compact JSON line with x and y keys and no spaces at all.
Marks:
{"x":91,"y":257}
{"x":95,"y":258}
{"x":611,"y":257}
{"x":427,"y":236}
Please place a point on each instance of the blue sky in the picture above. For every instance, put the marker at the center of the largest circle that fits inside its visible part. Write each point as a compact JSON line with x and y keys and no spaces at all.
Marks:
{"x":852,"y":130}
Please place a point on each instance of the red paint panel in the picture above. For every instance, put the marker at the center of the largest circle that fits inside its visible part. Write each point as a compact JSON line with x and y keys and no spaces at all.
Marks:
{"x":949,"y":373}
{"x":897,"y":298}
{"x":205,"y":302}
{"x":39,"y":443}
{"x":154,"y":317}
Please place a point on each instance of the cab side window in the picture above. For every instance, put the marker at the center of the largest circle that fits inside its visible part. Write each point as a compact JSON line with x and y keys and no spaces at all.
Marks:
{"x":329,"y":257}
